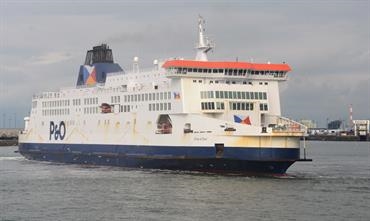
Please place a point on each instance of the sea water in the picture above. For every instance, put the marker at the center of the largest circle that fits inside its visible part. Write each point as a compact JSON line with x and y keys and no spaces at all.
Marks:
{"x":335,"y":186}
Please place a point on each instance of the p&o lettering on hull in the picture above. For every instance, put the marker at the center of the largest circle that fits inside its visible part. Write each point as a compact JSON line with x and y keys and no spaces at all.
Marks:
{"x":57,"y":131}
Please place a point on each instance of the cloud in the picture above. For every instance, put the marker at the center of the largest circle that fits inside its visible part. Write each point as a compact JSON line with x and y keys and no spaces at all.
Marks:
{"x":50,"y":58}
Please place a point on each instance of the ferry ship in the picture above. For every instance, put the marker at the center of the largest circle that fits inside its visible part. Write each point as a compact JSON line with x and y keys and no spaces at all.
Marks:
{"x":193,"y":115}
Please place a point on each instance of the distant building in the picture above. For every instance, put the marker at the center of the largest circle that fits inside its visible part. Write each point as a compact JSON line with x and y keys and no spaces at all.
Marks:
{"x":317,"y":131}
{"x":334,"y":125}
{"x":361,"y":128}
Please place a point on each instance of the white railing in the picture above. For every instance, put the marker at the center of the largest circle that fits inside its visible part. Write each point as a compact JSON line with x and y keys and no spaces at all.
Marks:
{"x":282,"y":124}
{"x":267,"y":77}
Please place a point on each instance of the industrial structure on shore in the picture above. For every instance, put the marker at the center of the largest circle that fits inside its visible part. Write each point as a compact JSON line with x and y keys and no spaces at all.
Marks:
{"x":357,"y":130}
{"x":9,"y":137}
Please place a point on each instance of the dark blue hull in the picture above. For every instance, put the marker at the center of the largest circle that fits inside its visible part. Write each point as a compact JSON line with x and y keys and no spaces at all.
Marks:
{"x":232,"y":160}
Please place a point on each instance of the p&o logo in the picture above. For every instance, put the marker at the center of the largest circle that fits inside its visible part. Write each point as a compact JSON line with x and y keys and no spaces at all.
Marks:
{"x":57,"y":131}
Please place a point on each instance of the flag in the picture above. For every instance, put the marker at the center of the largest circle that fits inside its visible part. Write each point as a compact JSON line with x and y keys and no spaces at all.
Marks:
{"x":176,"y":95}
{"x":242,"y":119}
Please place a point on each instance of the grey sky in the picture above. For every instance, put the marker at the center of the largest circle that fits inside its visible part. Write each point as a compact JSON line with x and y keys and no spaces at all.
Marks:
{"x":42,"y":44}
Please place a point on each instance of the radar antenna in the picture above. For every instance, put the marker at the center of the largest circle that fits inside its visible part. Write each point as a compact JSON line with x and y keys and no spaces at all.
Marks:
{"x":204,"y":44}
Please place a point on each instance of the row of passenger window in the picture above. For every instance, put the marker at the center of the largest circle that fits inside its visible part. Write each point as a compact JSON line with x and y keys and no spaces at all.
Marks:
{"x":233,"y":95}
{"x":148,"y":97}
{"x":76,"y":102}
{"x":241,"y":106}
{"x":115,"y":99}
{"x":56,"y":103}
{"x":55,"y":112}
{"x":212,"y":105}
{"x":90,"y":101}
{"x":124,"y":108}
{"x":91,"y":110}
{"x":197,"y":70}
{"x":233,"y":106}
{"x":239,"y":72}
{"x":160,"y":107}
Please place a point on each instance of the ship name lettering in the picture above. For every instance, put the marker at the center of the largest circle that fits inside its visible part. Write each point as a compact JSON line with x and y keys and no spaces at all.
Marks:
{"x":200,"y":138}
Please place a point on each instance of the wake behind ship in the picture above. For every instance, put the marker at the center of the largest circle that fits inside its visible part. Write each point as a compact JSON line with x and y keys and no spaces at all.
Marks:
{"x":217,"y":116}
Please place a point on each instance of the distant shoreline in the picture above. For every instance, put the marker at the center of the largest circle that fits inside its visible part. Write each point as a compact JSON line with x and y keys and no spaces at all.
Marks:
{"x":336,"y":138}
{"x":8,"y":142}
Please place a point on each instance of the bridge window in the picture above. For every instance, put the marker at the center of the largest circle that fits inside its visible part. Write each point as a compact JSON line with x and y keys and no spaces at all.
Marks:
{"x":243,"y":94}
{"x":233,"y":106}
{"x":221,"y":94}
{"x":263,"y":107}
{"x":210,"y":94}
{"x":202,"y":94}
{"x":220,"y":105}
{"x":207,"y":105}
{"x":239,"y":95}
{"x":260,"y":95}
{"x":238,"y":106}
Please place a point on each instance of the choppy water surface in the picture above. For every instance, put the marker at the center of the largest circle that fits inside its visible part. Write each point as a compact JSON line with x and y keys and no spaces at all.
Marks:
{"x":335,"y":186}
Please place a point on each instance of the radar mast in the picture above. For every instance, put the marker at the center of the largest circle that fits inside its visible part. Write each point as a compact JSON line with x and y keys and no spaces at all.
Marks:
{"x":204,"y":44}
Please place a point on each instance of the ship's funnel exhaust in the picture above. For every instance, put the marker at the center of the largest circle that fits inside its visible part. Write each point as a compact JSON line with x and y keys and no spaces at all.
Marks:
{"x":98,"y":63}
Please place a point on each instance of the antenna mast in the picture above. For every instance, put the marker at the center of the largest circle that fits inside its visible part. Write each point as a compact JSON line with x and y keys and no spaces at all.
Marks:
{"x":203,"y":45}
{"x":350,"y":116}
